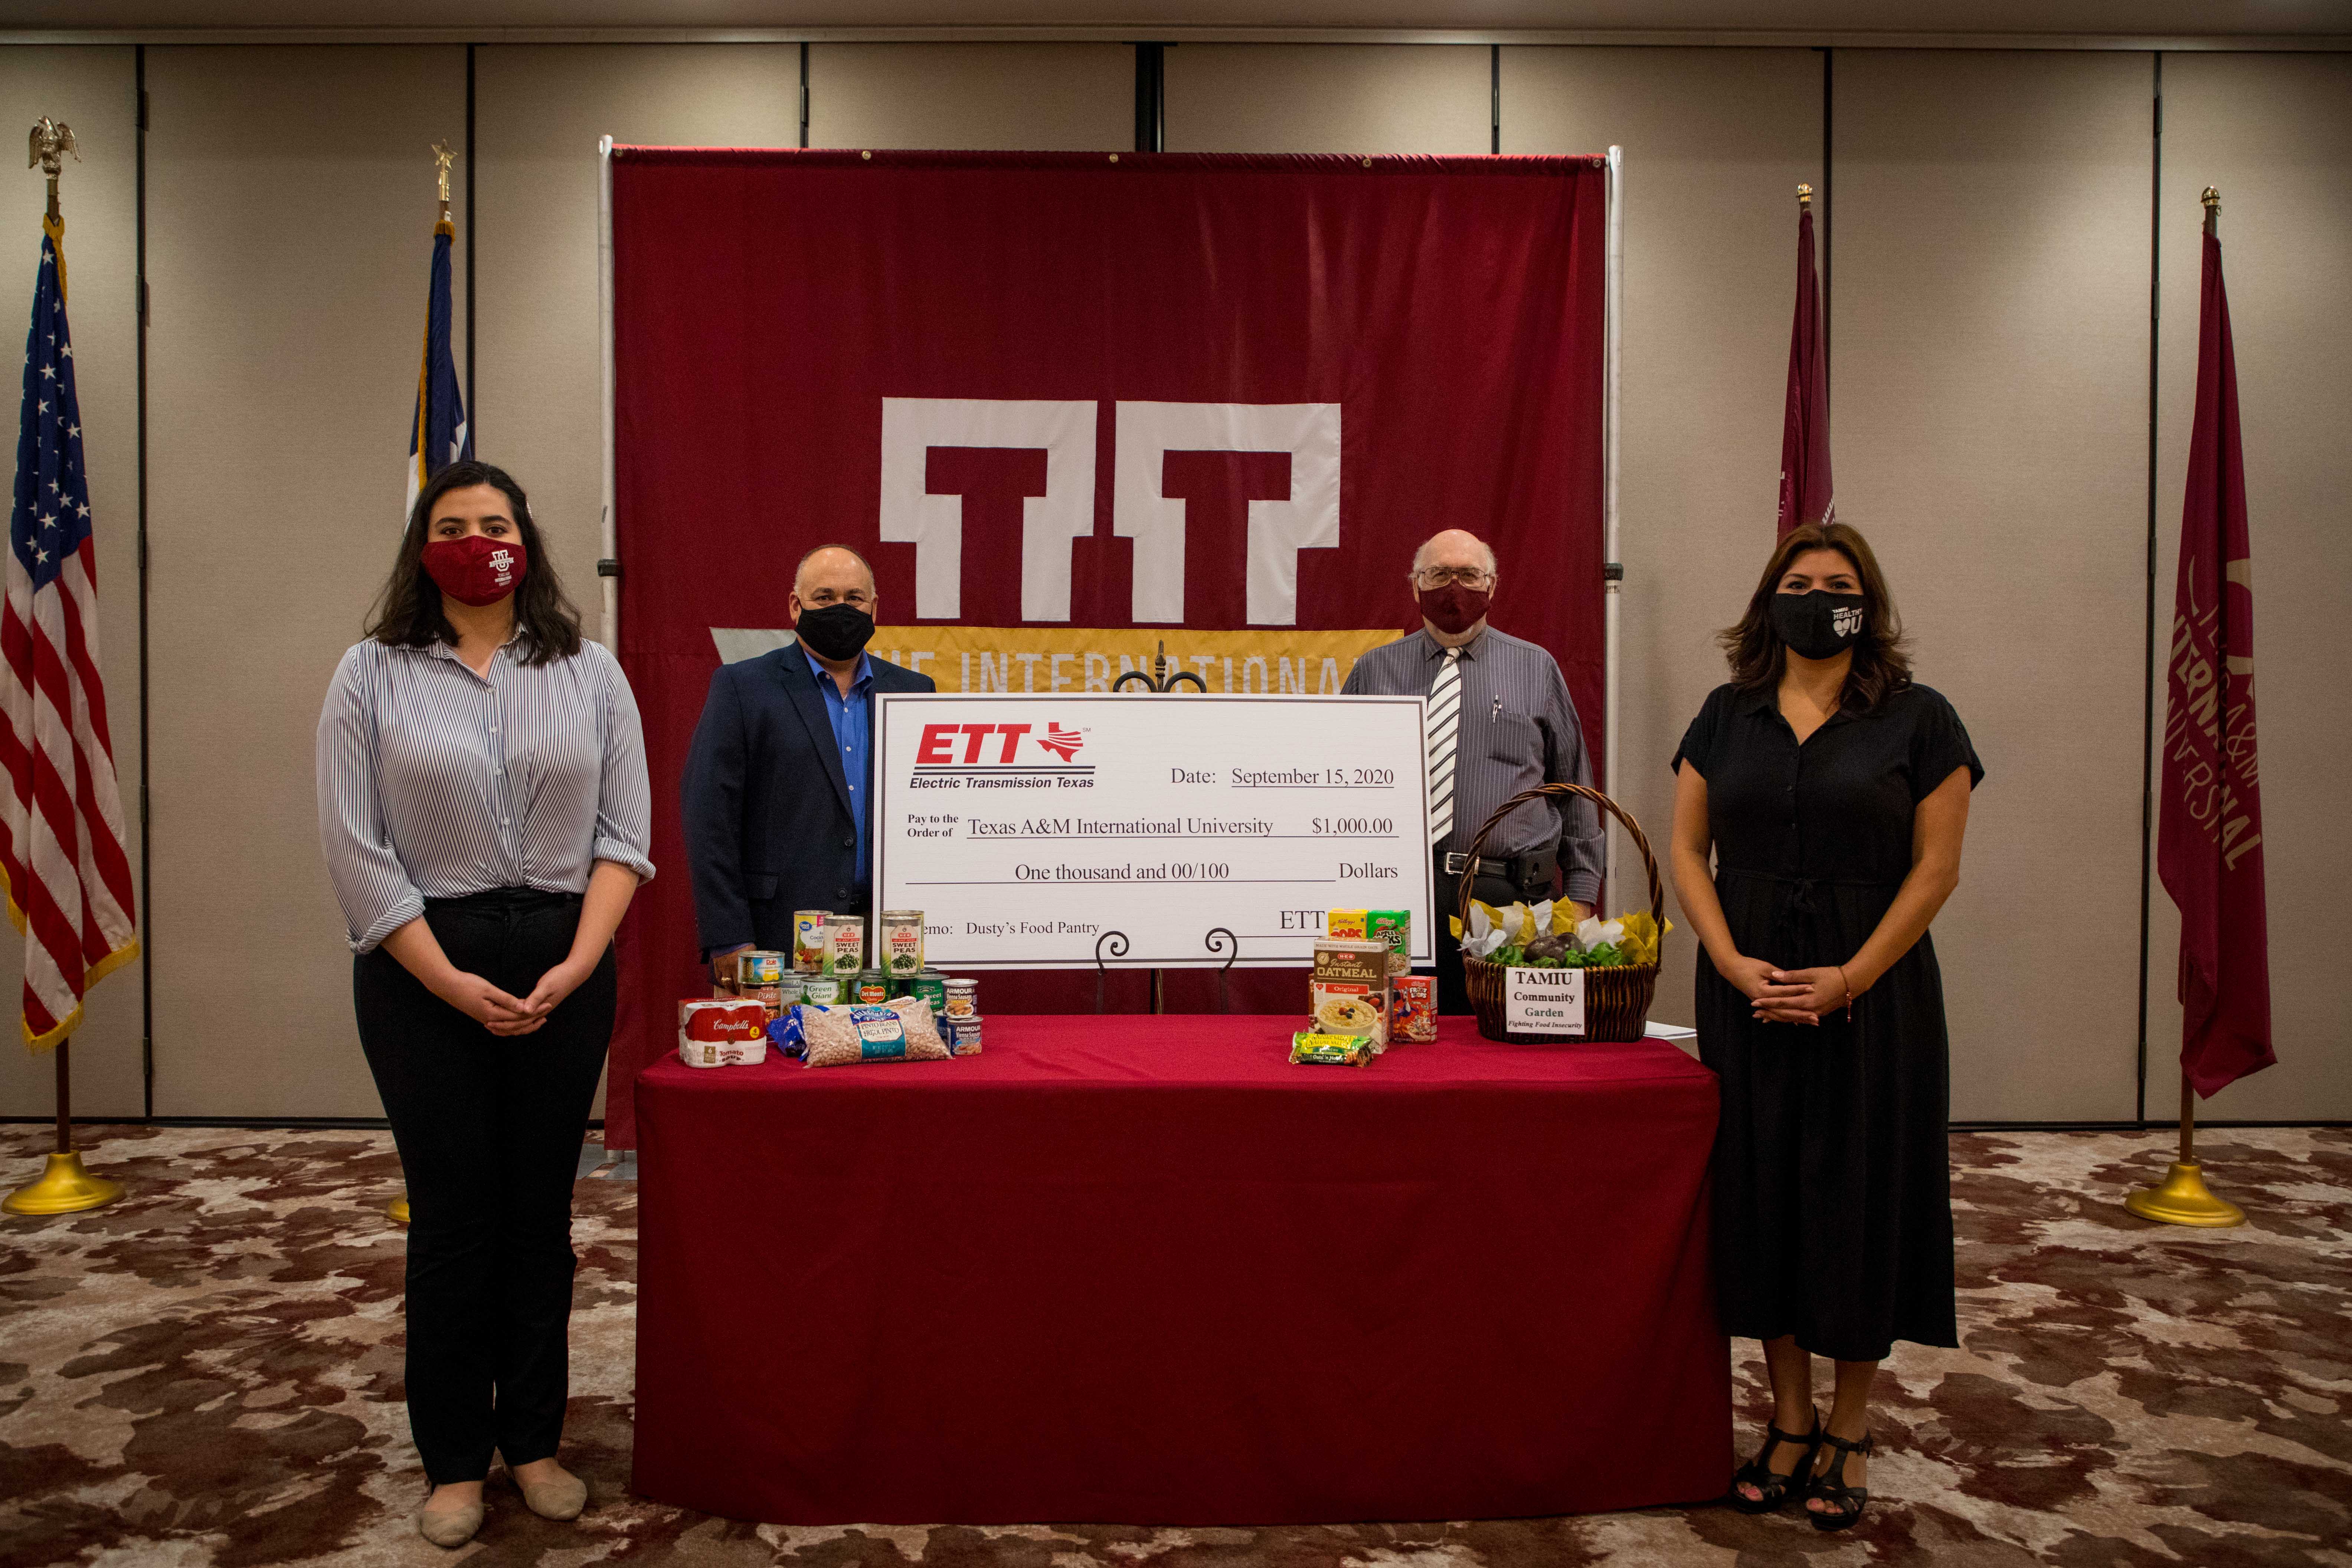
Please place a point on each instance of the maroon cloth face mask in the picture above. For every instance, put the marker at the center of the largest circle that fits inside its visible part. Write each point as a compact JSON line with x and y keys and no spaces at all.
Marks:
{"x":475,"y":570}
{"x":1452,"y":609}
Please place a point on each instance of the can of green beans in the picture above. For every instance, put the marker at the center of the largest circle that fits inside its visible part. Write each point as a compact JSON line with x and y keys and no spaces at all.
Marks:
{"x":932,"y":987}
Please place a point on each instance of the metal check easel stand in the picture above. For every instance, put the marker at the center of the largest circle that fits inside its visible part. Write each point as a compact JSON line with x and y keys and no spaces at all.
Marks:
{"x":1160,"y":679}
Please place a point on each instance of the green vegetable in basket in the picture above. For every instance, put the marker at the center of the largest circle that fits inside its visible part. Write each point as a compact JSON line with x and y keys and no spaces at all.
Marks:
{"x":1506,"y":955}
{"x":1605,"y":956}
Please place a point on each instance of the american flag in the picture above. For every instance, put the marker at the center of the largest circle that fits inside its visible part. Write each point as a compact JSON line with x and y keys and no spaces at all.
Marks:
{"x":68,"y":878}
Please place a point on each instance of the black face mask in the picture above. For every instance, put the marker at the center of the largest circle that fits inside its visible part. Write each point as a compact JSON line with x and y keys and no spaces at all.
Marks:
{"x":836,"y":632}
{"x":1819,"y":625}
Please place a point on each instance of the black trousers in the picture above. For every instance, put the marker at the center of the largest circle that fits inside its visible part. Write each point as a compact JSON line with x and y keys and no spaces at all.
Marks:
{"x":489,"y":1130}
{"x":1452,"y":986}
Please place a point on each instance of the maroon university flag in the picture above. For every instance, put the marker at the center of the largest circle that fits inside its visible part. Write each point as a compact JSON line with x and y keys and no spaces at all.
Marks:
{"x":1805,"y":494}
{"x":2209,"y":843}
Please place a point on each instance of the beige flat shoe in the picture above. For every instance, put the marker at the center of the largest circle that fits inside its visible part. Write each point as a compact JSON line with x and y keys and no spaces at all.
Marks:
{"x":559,"y":1498}
{"x":449,"y":1526}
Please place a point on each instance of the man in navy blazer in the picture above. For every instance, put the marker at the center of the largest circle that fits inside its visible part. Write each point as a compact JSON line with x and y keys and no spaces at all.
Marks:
{"x":781,"y":767}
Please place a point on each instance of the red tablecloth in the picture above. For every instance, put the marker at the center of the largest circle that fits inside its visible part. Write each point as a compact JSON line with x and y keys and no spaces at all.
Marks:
{"x":1143,"y":1270}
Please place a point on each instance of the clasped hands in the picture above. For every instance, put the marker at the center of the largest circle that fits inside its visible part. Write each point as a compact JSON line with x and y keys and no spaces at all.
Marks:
{"x":1790,"y":995}
{"x":503,"y":1015}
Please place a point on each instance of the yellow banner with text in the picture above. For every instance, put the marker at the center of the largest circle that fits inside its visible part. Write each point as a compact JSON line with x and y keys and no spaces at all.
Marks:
{"x":1080,"y":658}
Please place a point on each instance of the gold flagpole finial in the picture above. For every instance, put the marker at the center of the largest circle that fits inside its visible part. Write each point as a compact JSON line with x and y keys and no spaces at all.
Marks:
{"x":50,"y":143}
{"x":1804,"y":195}
{"x":2213,"y":196}
{"x":443,"y":157}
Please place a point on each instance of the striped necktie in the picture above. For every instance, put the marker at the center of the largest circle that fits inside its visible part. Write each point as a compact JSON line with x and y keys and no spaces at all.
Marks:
{"x":1444,"y":725}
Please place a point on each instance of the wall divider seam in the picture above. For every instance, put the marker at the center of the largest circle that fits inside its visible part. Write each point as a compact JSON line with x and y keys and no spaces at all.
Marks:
{"x":2148,"y":654}
{"x":146,"y":922}
{"x":473,"y":409}
{"x":1821,"y":236}
{"x":1495,"y":97}
{"x":804,"y":93}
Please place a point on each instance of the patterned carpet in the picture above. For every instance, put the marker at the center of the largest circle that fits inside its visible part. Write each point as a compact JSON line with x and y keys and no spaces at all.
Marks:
{"x":207,"y":1374}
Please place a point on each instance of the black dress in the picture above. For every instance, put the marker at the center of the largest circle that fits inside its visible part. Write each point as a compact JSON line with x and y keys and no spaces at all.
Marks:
{"x":1832,"y":1179}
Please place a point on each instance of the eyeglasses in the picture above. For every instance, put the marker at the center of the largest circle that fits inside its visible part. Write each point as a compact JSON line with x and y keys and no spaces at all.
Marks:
{"x":1461,"y":576}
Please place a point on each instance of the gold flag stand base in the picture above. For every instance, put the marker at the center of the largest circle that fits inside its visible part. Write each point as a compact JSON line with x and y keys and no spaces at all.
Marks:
{"x":397,"y":1210}
{"x":64,"y":1188}
{"x":2184,"y":1199}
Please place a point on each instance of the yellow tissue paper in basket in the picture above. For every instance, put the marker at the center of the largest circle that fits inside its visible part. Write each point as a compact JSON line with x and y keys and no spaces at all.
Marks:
{"x":1643,"y":937}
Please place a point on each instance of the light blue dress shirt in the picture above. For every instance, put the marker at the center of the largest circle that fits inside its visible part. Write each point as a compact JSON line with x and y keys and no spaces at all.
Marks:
{"x":853,"y":732}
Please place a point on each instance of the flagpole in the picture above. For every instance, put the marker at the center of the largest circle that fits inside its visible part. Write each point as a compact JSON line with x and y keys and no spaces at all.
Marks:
{"x":64,"y":1186}
{"x":2182,"y":1197}
{"x":444,"y":155}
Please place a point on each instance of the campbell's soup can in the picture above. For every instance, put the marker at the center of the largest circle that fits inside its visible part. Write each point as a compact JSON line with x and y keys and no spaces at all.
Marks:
{"x":846,"y":945}
{"x":811,"y":940}
{"x":757,"y":967}
{"x":902,"y":941}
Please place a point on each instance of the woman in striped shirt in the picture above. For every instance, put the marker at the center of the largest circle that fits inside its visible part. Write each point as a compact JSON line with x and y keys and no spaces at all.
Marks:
{"x":484,"y":808}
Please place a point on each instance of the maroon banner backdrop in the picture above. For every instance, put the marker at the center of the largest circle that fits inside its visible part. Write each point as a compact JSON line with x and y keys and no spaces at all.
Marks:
{"x":1093,"y":401}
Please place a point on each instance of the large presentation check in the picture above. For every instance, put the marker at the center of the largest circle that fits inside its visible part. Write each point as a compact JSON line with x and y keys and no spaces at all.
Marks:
{"x":1057,"y":831}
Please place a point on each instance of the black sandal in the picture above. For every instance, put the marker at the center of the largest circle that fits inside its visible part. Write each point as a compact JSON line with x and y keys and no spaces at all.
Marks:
{"x":1845,"y":1502}
{"x":1772,"y":1489}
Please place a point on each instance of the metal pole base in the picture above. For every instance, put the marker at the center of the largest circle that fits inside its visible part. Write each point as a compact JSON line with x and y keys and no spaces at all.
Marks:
{"x":64,"y":1188}
{"x":2183,"y":1199}
{"x":397,"y":1210}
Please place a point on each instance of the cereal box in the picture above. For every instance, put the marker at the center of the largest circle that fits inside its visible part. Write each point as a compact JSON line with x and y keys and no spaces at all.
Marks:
{"x":1413,"y":1007}
{"x":1395,"y":928}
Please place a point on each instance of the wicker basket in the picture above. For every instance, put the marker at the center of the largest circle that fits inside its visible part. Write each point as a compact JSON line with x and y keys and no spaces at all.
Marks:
{"x":1616,"y":999}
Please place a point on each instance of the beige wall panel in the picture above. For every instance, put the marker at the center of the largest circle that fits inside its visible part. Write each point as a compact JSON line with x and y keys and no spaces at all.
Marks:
{"x":1329,"y":97}
{"x":290,"y":216}
{"x":2274,"y":133}
{"x":539,"y":111}
{"x":1990,"y":399}
{"x":94,"y":91}
{"x":1716,"y":143}
{"x":1029,"y":97}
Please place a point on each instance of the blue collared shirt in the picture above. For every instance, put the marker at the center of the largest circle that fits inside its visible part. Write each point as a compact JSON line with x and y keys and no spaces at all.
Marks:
{"x":853,"y":732}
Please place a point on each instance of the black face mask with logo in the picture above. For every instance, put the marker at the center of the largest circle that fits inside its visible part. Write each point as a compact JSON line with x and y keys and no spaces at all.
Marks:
{"x":836,"y":632}
{"x":1819,"y":625}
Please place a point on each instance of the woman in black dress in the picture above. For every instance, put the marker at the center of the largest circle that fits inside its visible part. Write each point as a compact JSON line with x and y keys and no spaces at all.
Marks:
{"x":1834,"y":793}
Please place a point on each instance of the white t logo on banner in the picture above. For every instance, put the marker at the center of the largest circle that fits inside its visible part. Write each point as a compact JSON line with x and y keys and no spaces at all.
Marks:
{"x":1278,"y":529}
{"x":911,"y":427}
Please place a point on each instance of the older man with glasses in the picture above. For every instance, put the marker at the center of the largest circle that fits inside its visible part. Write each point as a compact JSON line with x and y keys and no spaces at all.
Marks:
{"x":1499,"y":721}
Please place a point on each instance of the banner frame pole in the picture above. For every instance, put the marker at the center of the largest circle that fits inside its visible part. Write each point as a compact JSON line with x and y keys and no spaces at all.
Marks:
{"x":1612,"y":569}
{"x":608,"y":565}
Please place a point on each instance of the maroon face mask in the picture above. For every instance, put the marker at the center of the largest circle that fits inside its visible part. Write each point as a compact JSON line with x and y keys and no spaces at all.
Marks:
{"x":1454,"y":609}
{"x":475,"y":570}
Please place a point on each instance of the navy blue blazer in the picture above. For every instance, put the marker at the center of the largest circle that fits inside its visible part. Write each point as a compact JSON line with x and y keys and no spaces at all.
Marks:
{"x":768,"y":826}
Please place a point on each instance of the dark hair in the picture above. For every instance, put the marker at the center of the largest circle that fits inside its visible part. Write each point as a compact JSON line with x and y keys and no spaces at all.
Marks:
{"x":1882,"y":656}
{"x":408,"y":612}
